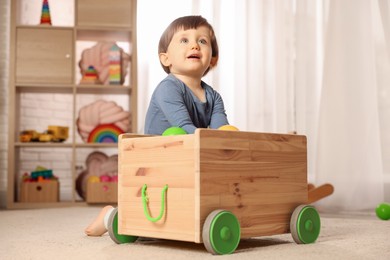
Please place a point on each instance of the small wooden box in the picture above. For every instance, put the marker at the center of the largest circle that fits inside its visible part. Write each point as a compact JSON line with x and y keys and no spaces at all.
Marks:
{"x":46,"y":191}
{"x":102,"y":192}
{"x":261,"y":178}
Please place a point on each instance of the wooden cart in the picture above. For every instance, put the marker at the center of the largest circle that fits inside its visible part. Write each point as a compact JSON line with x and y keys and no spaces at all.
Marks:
{"x":213,"y":187}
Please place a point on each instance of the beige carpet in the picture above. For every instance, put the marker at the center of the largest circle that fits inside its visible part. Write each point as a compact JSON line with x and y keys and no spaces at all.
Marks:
{"x":58,"y":234}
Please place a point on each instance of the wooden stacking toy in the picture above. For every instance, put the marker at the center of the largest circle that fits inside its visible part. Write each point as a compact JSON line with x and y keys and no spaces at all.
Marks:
{"x":114,"y":57}
{"x":45,"y":16}
{"x":90,"y":76}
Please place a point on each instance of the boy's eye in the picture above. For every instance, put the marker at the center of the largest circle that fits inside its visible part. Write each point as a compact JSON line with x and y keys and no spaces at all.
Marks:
{"x":202,"y":41}
{"x":183,"y":40}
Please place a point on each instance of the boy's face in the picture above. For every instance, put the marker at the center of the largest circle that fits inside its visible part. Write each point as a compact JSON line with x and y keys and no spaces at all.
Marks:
{"x":189,"y":52}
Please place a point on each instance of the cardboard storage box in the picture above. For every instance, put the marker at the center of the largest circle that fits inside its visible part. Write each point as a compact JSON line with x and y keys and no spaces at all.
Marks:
{"x":102,"y":192}
{"x":46,"y":191}
{"x":259,"y":177}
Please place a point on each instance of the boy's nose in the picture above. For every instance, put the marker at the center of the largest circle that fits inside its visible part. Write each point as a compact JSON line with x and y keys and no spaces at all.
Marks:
{"x":195,"y":46}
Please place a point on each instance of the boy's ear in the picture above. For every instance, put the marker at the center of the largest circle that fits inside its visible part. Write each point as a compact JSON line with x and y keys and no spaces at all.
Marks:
{"x":213,"y":62}
{"x":164,"y":59}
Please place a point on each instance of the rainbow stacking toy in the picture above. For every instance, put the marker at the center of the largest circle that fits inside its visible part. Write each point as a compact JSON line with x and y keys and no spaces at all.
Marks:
{"x":45,"y":16}
{"x":115,"y":65}
{"x":106,"y":133}
{"x":90,"y":76}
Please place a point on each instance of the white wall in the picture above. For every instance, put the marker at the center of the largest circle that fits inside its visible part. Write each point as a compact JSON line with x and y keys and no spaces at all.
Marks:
{"x":4,"y":43}
{"x":61,"y":162}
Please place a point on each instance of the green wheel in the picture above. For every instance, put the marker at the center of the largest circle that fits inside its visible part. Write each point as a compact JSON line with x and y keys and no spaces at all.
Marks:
{"x":305,"y":224}
{"x":221,"y":232}
{"x":113,"y":230}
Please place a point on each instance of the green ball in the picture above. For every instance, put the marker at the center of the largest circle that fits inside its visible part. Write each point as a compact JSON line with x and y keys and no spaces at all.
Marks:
{"x":383,"y":211}
{"x":174,"y":130}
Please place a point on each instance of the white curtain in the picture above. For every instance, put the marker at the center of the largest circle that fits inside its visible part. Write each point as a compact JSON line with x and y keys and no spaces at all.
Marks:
{"x":349,"y":148}
{"x":277,"y":73}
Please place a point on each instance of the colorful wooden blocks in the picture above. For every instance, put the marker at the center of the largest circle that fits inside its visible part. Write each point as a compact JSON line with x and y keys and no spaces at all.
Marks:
{"x":45,"y":16}
{"x":114,"y":57}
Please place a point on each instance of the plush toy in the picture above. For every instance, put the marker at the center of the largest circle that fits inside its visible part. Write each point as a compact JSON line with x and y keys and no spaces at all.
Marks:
{"x":101,"y":112}
{"x":98,"y":56}
{"x":97,"y":164}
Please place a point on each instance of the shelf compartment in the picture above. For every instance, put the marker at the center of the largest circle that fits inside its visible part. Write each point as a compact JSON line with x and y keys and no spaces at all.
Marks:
{"x":104,"y":13}
{"x":36,"y":110}
{"x":55,"y":158}
{"x":95,"y":53}
{"x":28,"y":12}
{"x":94,"y":161}
{"x":44,"y":55}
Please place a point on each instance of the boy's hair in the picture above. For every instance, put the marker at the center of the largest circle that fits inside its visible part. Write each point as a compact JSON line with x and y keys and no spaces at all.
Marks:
{"x":186,"y":23}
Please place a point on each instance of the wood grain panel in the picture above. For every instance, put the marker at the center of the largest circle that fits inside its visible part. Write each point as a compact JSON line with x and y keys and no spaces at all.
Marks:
{"x":259,"y":177}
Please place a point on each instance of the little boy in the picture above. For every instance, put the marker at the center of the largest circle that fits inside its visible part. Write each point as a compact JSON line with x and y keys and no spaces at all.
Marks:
{"x":187,"y":50}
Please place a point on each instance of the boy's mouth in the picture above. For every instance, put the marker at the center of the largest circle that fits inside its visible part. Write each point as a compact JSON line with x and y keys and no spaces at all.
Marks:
{"x":193,"y":56}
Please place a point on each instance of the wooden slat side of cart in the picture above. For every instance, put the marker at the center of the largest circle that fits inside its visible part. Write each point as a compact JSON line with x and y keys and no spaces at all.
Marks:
{"x":261,"y":178}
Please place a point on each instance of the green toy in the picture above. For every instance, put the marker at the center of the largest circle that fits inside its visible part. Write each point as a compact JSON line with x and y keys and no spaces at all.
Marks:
{"x":174,"y":130}
{"x":383,"y":211}
{"x":305,"y":224}
{"x":113,"y":230}
{"x":145,"y":201}
{"x":221,"y":232}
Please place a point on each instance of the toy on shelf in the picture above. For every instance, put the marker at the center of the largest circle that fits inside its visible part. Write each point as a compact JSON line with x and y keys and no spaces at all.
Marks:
{"x":52,"y":134}
{"x":98,"y":183}
{"x":29,"y":136}
{"x":39,"y":186}
{"x":93,"y":178}
{"x":100,"y":120}
{"x":107,"y":133}
{"x":90,"y":76}
{"x":104,"y":59}
{"x":40,"y":174}
{"x":45,"y":16}
{"x":115,"y":65}
{"x":383,"y":211}
{"x":103,"y":178}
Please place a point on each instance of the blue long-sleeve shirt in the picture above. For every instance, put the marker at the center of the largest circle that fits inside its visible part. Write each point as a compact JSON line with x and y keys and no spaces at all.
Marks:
{"x":174,"y":104}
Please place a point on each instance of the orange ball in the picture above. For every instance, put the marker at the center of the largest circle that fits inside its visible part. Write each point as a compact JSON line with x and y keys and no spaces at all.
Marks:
{"x":228,"y":128}
{"x":93,"y":179}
